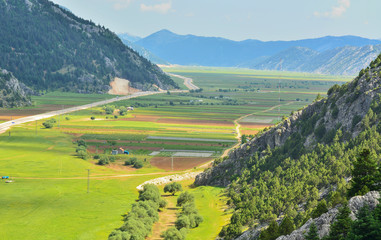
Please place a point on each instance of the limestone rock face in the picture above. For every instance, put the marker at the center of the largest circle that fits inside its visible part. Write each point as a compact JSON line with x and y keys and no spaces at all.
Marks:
{"x":325,"y":220}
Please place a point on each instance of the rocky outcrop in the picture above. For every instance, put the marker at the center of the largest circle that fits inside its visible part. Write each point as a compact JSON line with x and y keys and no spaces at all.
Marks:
{"x":324,"y":222}
{"x":12,"y":92}
{"x":344,"y":108}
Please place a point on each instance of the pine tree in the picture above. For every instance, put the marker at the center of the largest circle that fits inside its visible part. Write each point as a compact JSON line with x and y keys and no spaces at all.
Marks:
{"x":320,"y":209}
{"x":286,"y":227}
{"x":340,"y":228}
{"x":365,"y":173}
{"x":312,"y":233}
{"x":366,"y":226}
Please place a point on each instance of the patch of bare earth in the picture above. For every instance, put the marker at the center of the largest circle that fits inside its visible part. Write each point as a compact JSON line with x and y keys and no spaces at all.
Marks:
{"x":167,"y":219}
{"x":179,"y":163}
{"x":121,"y":86}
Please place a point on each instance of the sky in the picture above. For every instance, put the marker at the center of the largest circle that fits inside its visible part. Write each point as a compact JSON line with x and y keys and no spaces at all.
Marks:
{"x":266,"y":20}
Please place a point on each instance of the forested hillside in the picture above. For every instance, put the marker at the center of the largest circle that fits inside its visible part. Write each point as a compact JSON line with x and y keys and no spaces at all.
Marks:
{"x":12,"y":92}
{"x":288,"y":171}
{"x":47,"y":47}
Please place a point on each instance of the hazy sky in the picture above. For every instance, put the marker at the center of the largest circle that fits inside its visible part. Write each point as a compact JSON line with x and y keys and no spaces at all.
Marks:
{"x":235,"y":19}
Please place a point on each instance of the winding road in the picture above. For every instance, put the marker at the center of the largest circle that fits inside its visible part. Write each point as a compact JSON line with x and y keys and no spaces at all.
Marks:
{"x":188,"y":82}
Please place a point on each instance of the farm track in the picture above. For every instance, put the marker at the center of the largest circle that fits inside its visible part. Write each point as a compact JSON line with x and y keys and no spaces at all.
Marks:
{"x":188,"y":82}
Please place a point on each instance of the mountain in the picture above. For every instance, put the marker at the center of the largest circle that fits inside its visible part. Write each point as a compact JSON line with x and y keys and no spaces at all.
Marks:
{"x":12,"y":92}
{"x":47,"y":47}
{"x":213,"y":51}
{"x":129,"y":41}
{"x":289,"y":169}
{"x":128,"y":37}
{"x":346,"y":60}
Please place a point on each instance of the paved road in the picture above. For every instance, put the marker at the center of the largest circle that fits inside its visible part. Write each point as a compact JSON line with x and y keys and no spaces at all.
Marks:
{"x":188,"y":82}
{"x":6,"y":125}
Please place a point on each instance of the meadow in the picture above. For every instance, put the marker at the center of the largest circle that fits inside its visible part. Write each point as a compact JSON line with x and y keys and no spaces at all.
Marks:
{"x":48,"y":198}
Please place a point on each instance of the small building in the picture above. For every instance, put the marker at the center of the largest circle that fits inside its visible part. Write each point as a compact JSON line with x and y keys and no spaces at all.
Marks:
{"x":130,"y":108}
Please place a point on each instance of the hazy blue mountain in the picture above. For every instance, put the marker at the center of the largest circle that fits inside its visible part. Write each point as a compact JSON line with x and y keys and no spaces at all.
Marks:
{"x":129,"y":40}
{"x":347,"y":60}
{"x":214,"y":51}
{"x":128,"y":37}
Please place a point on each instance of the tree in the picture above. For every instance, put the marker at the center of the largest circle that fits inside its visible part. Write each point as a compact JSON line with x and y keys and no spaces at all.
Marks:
{"x":365,"y":174}
{"x":92,"y":118}
{"x":173,"y":188}
{"x":271,"y":233}
{"x":312,"y":233}
{"x":184,"y":198}
{"x":366,"y":226}
{"x":174,"y":234}
{"x":340,"y":228}
{"x":320,"y":209}
{"x":287,"y":226}
{"x":138,"y":164}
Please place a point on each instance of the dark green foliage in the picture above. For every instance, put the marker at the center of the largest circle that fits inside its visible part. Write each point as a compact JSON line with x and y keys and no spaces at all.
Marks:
{"x":276,"y":183}
{"x":366,"y":174}
{"x":136,"y":163}
{"x":138,"y":222}
{"x":189,"y":216}
{"x":92,"y":118}
{"x":173,"y":188}
{"x":109,"y":109}
{"x":320,"y":131}
{"x":367,"y":225}
{"x":54,"y":49}
{"x":312,"y":233}
{"x":122,"y":111}
{"x":271,"y":233}
{"x":174,"y":234}
{"x":340,"y":228}
{"x":81,"y":149}
{"x":48,"y":124}
{"x":184,"y":198}
{"x":104,"y":160}
{"x":320,"y":209}
{"x":287,"y":226}
{"x":130,"y":161}
{"x":356,"y":119}
{"x":335,"y":112}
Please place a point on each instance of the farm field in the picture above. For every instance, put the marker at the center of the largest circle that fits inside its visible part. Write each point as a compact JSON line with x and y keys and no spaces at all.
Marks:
{"x":50,"y":102}
{"x":50,"y":180}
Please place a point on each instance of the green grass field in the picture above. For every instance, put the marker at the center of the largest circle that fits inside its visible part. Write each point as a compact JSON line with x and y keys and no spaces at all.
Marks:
{"x":48,"y":198}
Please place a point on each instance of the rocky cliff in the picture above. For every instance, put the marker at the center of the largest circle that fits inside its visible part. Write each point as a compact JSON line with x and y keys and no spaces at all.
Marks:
{"x":12,"y":92}
{"x":323,"y":222}
{"x":343,"y":109}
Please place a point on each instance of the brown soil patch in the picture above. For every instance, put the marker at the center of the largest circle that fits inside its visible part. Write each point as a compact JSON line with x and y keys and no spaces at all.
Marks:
{"x":249,"y":132}
{"x":195,"y":122}
{"x":256,"y":125}
{"x":121,"y":86}
{"x":167,"y":219}
{"x":179,"y":163}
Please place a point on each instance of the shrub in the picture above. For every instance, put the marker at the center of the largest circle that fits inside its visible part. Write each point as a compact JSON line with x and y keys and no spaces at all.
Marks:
{"x":130,"y":161}
{"x":173,"y":188}
{"x":138,"y":164}
{"x":103,"y":160}
{"x":174,"y":234}
{"x":184,"y":198}
{"x":92,"y":118}
{"x":47,"y":124}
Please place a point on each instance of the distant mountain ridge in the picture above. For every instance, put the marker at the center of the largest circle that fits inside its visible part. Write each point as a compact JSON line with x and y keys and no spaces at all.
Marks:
{"x":129,"y":40}
{"x":220,"y":52}
{"x":48,"y":48}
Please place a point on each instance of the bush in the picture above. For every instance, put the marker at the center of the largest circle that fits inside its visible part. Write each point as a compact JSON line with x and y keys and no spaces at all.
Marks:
{"x":103,"y":160}
{"x":109,"y":109}
{"x":92,"y":118}
{"x":184,"y":198}
{"x":182,"y":222}
{"x":173,"y":188}
{"x":130,"y":161}
{"x":138,"y":164}
{"x":47,"y":124}
{"x":67,"y":118}
{"x":174,"y":234}
{"x":96,"y":156}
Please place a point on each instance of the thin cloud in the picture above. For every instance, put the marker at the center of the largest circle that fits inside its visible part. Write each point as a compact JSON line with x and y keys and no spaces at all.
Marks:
{"x":336,"y":11}
{"x":162,"y":8}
